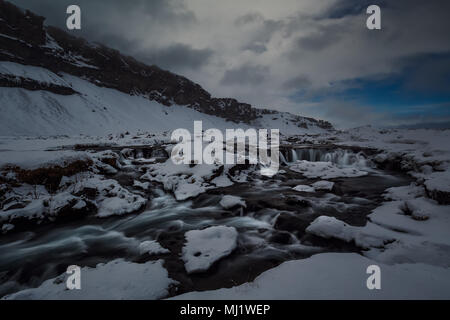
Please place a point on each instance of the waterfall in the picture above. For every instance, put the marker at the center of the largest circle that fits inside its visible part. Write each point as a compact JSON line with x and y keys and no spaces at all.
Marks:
{"x":282,"y":158}
{"x":294,"y":155}
{"x":339,"y":157}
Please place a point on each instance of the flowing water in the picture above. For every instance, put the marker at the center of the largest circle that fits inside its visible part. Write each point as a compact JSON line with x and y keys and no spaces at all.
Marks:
{"x":271,"y":228}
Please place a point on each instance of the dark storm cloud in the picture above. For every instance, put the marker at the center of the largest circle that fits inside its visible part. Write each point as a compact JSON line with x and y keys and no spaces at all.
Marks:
{"x":246,"y":74}
{"x":298,"y":83}
{"x":350,"y":7}
{"x":177,"y":56}
{"x":127,"y":25}
{"x":248,"y":18}
{"x":99,"y":11}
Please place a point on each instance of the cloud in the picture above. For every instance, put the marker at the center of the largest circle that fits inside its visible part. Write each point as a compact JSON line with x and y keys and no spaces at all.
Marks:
{"x":299,"y":83}
{"x":246,"y":74}
{"x":178,"y":56}
{"x":344,"y":8}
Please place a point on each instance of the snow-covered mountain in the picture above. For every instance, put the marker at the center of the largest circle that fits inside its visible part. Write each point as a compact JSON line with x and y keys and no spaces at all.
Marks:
{"x":54,"y":83}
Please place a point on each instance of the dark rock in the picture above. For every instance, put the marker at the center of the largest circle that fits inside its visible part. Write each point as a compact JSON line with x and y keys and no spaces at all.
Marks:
{"x":281,"y":237}
{"x":292,"y":223}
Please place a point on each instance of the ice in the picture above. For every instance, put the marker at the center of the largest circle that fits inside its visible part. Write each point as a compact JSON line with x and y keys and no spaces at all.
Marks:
{"x":115,"y":280}
{"x":204,"y":247}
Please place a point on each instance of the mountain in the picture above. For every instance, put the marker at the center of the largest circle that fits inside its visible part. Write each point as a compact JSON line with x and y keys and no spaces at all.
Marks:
{"x":55,"y":83}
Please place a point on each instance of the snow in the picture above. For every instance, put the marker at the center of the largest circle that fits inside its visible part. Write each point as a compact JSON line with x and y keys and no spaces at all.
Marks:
{"x":324,"y":170}
{"x":411,"y":229}
{"x":222,"y":181}
{"x":304,"y":188}
{"x":95,"y":111}
{"x":439,"y":181}
{"x":409,"y":192}
{"x":152,"y":247}
{"x":34,"y":210}
{"x":142,"y":185}
{"x":183,"y":180}
{"x":120,"y":206}
{"x":330,"y":227}
{"x":228,"y":202}
{"x":116,"y":280}
{"x":112,"y":198}
{"x":323,"y":185}
{"x":35,"y":73}
{"x":337,"y":276}
{"x":204,"y":247}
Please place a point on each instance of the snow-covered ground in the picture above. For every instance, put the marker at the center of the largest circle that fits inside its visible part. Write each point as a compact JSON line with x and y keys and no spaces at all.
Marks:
{"x":95,"y":110}
{"x":338,"y":276}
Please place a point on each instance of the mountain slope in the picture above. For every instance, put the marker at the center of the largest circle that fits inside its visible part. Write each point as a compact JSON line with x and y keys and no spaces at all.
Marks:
{"x":54,"y":83}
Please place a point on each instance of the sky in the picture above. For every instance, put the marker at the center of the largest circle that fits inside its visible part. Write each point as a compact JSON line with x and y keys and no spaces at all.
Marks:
{"x":310,"y":57}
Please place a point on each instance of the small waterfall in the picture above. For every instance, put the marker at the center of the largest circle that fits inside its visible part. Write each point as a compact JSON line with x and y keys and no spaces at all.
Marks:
{"x":282,"y":158}
{"x":339,"y":157}
{"x":294,"y":155}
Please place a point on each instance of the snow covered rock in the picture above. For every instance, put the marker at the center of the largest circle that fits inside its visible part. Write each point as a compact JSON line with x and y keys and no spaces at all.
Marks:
{"x":437,"y":185}
{"x":152,"y":247}
{"x":187,"y":181}
{"x":330,"y":227}
{"x":116,"y":280}
{"x":229,"y":202}
{"x":204,"y":247}
{"x":304,"y":188}
{"x":110,"y":196}
{"x":323,"y":185}
{"x":325,"y":170}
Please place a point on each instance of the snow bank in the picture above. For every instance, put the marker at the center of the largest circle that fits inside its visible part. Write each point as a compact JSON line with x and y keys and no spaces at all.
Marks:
{"x":204,"y":247}
{"x":117,"y":280}
{"x":337,"y":276}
